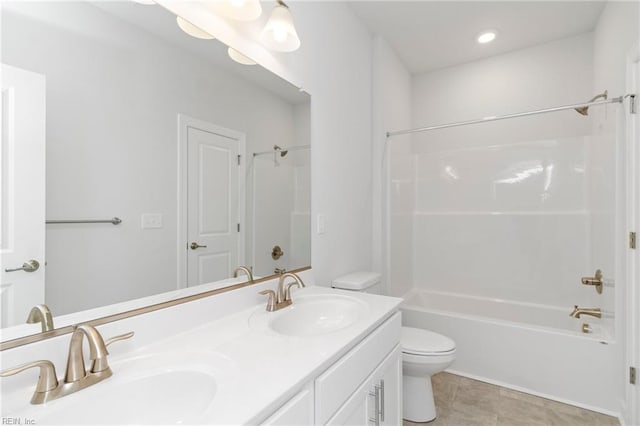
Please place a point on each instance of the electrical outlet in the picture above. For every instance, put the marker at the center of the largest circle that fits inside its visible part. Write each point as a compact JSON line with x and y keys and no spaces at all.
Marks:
{"x":151,"y":221}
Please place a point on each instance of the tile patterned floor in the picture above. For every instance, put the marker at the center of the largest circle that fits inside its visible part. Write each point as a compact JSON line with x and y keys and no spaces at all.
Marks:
{"x":465,"y":402}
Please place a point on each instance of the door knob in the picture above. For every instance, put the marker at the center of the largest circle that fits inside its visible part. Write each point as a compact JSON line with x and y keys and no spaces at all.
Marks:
{"x":195,"y":246}
{"x":28,"y":266}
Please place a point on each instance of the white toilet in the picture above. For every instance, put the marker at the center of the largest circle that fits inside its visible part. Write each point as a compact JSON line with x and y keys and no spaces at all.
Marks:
{"x":424,"y":353}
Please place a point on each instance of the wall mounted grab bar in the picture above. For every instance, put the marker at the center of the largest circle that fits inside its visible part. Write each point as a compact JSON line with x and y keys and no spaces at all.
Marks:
{"x":113,"y":221}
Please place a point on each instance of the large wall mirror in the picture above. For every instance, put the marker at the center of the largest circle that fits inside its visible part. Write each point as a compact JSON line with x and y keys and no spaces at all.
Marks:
{"x":203,"y":161}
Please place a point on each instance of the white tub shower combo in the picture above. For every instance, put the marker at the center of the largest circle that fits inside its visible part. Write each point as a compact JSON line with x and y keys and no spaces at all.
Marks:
{"x":495,"y":224}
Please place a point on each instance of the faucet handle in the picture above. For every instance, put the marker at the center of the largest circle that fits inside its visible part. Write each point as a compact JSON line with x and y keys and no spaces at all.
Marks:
{"x":271,"y":303}
{"x":46,"y":381}
{"x":118,"y":338}
{"x":101,"y":364}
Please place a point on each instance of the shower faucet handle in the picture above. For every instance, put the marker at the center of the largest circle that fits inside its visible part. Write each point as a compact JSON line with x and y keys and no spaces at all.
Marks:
{"x":596,"y":281}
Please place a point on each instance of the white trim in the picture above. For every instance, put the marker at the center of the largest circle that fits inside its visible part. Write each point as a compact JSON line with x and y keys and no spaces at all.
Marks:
{"x":630,"y":413}
{"x":184,"y":122}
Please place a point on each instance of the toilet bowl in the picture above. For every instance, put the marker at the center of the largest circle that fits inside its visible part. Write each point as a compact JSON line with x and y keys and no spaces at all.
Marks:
{"x":424,"y":353}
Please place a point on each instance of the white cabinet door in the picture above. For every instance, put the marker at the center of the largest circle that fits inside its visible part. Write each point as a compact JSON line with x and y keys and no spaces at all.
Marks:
{"x":378,"y":401}
{"x":356,"y":410}
{"x":389,"y":379}
{"x":297,"y":411}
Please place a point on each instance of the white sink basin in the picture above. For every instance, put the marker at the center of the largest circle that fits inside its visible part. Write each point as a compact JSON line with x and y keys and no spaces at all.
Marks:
{"x":314,"y":315}
{"x":144,"y":390}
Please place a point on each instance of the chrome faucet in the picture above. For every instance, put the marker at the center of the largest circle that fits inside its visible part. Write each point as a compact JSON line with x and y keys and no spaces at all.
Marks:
{"x":41,"y":314}
{"x":76,"y":378}
{"x":594,"y":312}
{"x":282,"y":298}
{"x":246,"y":271}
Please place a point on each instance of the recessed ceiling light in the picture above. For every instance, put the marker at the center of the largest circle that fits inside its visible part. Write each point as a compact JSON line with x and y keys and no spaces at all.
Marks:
{"x":487,"y":36}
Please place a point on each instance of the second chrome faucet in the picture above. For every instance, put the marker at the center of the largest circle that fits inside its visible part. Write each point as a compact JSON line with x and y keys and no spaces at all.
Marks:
{"x":282,"y":297}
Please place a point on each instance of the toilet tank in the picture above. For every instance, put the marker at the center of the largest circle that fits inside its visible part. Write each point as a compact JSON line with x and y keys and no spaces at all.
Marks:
{"x":367,"y":282}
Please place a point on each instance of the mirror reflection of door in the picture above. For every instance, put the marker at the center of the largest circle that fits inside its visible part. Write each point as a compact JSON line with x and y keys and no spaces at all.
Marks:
{"x":22,"y":200}
{"x":213,"y":215}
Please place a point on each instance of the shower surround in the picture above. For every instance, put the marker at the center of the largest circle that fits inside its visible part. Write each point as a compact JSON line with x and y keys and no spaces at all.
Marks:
{"x":499,"y":221}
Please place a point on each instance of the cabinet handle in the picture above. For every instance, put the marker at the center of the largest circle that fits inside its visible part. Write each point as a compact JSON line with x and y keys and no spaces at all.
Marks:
{"x":376,"y":395}
{"x":382,"y":400}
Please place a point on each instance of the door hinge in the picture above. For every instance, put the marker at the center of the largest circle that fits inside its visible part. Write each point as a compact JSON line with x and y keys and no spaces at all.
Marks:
{"x":632,"y":104}
{"x":632,"y":240}
{"x":239,"y":156}
{"x":632,"y":375}
{"x":238,"y":227}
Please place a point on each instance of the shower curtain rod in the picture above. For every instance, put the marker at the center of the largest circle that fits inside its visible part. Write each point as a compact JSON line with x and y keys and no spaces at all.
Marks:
{"x":284,"y":149}
{"x":617,"y":100}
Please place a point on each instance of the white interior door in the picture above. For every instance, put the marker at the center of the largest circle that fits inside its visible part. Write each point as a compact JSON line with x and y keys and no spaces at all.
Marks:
{"x":213,"y":234}
{"x":22,"y":196}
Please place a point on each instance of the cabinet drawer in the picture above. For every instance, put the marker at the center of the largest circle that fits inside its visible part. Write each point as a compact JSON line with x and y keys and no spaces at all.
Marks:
{"x":334,"y":386}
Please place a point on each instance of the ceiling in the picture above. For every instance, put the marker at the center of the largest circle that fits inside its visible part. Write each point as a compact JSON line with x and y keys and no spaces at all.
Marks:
{"x":429,"y":35}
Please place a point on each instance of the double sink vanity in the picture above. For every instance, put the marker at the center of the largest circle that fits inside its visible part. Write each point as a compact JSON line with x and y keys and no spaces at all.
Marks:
{"x":330,"y":357}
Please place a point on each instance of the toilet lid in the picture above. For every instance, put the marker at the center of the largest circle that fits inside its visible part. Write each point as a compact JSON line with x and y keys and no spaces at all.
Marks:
{"x":420,"y":341}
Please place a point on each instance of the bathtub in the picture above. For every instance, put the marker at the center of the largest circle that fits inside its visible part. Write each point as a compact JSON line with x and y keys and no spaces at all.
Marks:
{"x":527,"y":347}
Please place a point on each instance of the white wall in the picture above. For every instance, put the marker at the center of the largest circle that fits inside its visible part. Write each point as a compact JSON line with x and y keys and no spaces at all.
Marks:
{"x":334,"y":65}
{"x":112,"y":105}
{"x":501,"y":208}
{"x":393,"y":185}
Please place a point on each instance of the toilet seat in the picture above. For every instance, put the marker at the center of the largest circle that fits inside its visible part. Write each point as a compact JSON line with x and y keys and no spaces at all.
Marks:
{"x":417,"y":341}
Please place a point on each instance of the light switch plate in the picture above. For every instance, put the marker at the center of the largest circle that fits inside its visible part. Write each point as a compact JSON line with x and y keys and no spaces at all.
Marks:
{"x":151,"y":221}
{"x":321,"y":225}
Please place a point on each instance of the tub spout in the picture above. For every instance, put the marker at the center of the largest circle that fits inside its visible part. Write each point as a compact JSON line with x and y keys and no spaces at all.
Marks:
{"x":577,"y":311}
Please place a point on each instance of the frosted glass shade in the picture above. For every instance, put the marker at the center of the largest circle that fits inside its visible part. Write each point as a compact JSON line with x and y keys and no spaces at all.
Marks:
{"x":239,"y":57}
{"x":192,"y":30}
{"x":279,"y":33}
{"x":240,"y":10}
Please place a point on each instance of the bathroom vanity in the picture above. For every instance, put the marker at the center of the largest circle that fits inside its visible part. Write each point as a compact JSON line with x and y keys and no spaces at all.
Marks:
{"x":331,"y":357}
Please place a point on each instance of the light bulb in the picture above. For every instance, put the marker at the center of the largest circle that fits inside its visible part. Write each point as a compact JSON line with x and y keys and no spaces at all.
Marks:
{"x":280,"y":34}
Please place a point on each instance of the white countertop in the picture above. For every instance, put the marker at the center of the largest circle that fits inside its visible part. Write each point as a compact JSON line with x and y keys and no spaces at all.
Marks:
{"x":256,"y":370}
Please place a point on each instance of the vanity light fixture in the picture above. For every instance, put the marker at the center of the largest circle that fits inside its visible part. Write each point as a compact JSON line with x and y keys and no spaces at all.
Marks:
{"x":487,"y":36}
{"x":239,"y":57}
{"x":240,"y":10}
{"x":279,"y":33}
{"x":192,"y":30}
